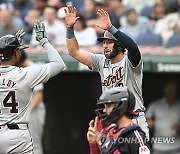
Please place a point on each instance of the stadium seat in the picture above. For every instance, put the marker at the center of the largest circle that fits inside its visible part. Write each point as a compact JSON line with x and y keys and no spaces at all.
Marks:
{"x":146,"y":11}
{"x":174,"y":40}
{"x":149,"y":39}
{"x":171,"y":1}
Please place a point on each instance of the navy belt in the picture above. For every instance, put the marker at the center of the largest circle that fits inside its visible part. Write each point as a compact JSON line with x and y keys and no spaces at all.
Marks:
{"x":11,"y":126}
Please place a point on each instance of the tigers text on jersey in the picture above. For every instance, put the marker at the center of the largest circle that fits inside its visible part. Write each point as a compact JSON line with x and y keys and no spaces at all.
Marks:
{"x":16,"y":88}
{"x":119,"y":74}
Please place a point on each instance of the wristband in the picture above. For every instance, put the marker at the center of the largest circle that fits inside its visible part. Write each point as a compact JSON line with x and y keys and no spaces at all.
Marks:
{"x":113,"y":30}
{"x":70,"y":32}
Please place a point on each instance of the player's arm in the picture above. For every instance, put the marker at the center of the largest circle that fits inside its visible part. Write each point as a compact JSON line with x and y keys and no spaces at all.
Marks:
{"x":72,"y":44}
{"x":55,"y":61}
{"x":134,"y":54}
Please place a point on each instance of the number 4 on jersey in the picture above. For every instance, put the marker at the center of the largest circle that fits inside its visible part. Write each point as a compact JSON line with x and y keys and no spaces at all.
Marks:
{"x":10,"y":102}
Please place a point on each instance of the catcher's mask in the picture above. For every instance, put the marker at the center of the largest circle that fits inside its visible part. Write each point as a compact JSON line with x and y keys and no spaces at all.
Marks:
{"x":124,"y":101}
{"x":8,"y":45}
{"x":117,"y":45}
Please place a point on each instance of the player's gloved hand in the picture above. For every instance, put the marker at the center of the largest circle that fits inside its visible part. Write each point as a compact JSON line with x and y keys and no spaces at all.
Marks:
{"x":19,"y":35}
{"x":40,"y":31}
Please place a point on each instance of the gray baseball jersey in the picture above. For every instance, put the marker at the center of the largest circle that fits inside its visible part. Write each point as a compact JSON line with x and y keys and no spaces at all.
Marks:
{"x":119,"y":74}
{"x":12,"y":82}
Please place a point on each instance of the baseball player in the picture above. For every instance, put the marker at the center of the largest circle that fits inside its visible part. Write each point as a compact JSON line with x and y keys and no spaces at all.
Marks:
{"x":38,"y":110}
{"x":123,"y":138}
{"x":16,"y":88}
{"x":116,"y":68}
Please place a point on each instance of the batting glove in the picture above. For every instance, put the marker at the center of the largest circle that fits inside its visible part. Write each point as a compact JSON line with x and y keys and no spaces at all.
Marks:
{"x":41,"y":36}
{"x":19,"y":35}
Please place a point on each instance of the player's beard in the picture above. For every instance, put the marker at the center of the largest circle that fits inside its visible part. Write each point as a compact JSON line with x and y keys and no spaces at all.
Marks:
{"x":112,"y":55}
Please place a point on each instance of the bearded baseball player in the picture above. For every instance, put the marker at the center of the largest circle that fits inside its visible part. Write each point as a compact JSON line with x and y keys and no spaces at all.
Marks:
{"x":16,"y":88}
{"x":116,"y":68}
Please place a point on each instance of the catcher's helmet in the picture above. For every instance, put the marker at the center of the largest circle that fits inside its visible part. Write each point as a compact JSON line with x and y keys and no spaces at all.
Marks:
{"x":117,"y":46}
{"x":8,"y":45}
{"x":124,"y":101}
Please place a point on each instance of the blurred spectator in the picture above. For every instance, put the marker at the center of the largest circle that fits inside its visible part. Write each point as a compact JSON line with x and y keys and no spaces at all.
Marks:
{"x":168,"y":26}
{"x":61,"y":14}
{"x":40,"y":5}
{"x":159,"y":11}
{"x":86,"y":36}
{"x":89,"y":10}
{"x":164,"y":116}
{"x":77,"y":3}
{"x":138,"y":5}
{"x":6,"y":23}
{"x":56,"y":3}
{"x":30,"y":19}
{"x":15,"y":19}
{"x":100,"y":4}
{"x":134,"y":25}
{"x":21,"y":7}
{"x":56,"y":30}
{"x":116,"y":11}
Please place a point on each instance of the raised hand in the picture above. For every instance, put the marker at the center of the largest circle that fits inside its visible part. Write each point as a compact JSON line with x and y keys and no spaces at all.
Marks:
{"x":19,"y":35}
{"x":71,"y":18}
{"x":104,"y":21}
{"x":40,"y":31}
{"x":93,"y":135}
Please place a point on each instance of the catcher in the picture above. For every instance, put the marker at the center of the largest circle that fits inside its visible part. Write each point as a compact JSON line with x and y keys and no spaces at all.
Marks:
{"x":123,"y":138}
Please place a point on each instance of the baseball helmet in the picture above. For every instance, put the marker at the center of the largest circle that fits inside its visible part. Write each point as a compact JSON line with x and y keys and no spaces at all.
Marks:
{"x":8,"y":45}
{"x":117,"y":45}
{"x":107,"y":35}
{"x":124,"y":101}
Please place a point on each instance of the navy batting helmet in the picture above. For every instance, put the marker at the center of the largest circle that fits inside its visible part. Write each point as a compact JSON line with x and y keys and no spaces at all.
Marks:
{"x":124,"y":101}
{"x":117,"y":46}
{"x":8,"y":45}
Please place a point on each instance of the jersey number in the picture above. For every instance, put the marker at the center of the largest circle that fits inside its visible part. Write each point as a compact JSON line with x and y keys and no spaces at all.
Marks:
{"x":12,"y":103}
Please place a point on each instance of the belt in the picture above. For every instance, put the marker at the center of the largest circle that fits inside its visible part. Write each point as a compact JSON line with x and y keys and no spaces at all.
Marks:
{"x":14,"y":126}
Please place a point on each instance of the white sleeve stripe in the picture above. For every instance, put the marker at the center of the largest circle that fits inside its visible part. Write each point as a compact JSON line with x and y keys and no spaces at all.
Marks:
{"x":139,"y":137}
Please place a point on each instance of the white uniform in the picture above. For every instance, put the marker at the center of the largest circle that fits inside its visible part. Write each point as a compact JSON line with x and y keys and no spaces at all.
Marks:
{"x":36,"y":128}
{"x":16,"y":88}
{"x":122,"y":74}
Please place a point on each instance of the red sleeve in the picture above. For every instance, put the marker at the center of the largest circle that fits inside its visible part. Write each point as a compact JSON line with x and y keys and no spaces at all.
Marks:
{"x":94,"y":149}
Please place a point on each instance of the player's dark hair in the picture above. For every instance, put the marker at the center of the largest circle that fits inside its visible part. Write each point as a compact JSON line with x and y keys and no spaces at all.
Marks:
{"x":23,"y":57}
{"x":118,"y":47}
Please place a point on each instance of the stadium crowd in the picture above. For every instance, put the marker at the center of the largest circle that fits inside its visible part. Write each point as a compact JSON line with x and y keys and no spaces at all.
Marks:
{"x":152,"y":22}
